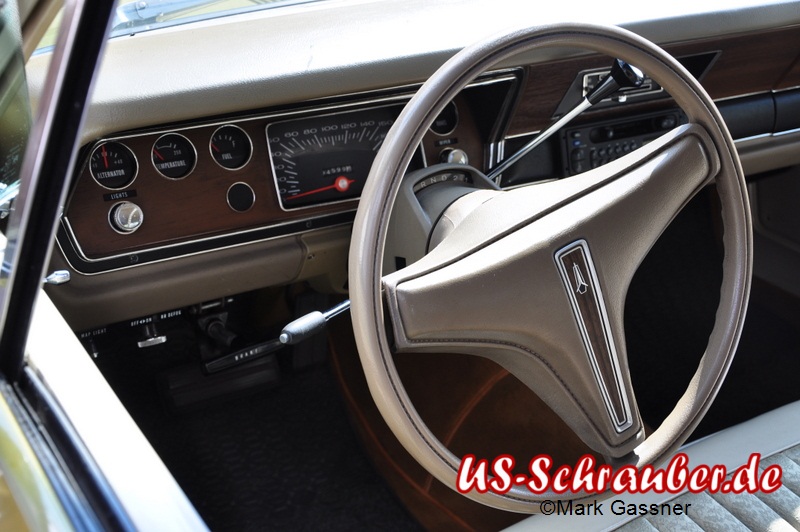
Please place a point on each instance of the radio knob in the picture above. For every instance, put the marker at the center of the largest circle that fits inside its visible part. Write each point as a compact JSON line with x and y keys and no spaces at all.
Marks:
{"x":126,"y":217}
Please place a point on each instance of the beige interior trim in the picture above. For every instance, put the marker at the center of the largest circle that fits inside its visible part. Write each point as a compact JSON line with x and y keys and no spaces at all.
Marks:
{"x":278,"y":58}
{"x":769,"y":152}
{"x":96,"y":300}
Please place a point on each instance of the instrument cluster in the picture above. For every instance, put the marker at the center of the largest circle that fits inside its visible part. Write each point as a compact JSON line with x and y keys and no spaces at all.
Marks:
{"x":157,"y":194}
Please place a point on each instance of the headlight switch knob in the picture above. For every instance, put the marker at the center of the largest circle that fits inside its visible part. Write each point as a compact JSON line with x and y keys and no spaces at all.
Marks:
{"x":126,"y":217}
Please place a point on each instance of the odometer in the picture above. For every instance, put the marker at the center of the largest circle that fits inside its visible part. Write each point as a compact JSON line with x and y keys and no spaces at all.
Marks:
{"x":325,"y":159}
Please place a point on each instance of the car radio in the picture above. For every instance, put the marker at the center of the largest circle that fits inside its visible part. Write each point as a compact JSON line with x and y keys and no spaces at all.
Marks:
{"x":593,"y":145}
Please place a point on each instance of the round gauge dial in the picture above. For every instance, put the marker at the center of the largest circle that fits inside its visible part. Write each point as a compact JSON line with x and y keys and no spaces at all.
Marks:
{"x":324,"y":159}
{"x":447,"y":120}
{"x":173,"y":156}
{"x":231,"y":147}
{"x":113,"y":165}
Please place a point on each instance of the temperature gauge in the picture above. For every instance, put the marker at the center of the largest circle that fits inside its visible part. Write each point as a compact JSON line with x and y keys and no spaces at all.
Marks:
{"x":173,"y":156}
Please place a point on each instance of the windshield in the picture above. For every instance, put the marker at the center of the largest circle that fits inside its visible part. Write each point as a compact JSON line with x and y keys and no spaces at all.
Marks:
{"x":136,"y":16}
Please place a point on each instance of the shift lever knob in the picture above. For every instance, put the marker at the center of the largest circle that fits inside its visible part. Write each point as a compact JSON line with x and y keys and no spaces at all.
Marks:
{"x":622,"y":75}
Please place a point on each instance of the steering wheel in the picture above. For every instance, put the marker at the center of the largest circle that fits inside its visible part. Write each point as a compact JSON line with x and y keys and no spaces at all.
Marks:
{"x":535,"y":278}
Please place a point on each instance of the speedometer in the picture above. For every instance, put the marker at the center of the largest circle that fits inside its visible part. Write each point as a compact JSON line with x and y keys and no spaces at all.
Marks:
{"x":326,"y":158}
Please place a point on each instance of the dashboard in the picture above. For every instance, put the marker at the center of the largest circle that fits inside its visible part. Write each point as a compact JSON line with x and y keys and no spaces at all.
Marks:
{"x":273,"y":188}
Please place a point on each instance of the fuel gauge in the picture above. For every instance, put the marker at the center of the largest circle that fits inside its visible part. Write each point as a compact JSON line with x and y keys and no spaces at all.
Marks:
{"x":231,"y":147}
{"x":173,"y":156}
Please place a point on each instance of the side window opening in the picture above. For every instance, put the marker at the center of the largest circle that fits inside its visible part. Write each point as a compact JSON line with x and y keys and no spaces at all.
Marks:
{"x":15,"y":114}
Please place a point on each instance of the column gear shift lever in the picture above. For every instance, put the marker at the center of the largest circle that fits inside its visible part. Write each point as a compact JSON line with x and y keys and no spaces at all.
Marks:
{"x":622,"y":75}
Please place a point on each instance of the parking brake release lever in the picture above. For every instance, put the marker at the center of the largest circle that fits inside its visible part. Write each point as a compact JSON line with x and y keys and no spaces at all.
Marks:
{"x":622,"y":75}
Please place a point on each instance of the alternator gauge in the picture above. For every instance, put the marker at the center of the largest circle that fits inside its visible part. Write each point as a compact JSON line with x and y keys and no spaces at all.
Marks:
{"x":113,"y":165}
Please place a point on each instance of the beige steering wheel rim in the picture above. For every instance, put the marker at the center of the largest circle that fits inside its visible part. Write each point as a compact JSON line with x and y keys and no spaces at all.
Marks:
{"x":369,"y":234}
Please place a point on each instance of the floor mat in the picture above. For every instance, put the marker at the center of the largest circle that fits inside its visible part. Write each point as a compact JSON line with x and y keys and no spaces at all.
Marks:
{"x":279,"y":459}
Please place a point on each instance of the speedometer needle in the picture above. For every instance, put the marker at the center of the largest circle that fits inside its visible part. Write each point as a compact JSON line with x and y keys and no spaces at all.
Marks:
{"x":342,"y":184}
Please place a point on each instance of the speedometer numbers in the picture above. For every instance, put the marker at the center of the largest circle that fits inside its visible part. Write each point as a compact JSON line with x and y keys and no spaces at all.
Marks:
{"x":326,"y":159}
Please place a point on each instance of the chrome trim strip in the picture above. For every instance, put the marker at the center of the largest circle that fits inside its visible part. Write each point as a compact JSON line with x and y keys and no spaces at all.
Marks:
{"x":786,"y":132}
{"x":743,"y":95}
{"x":304,"y":221}
{"x":75,"y":256}
{"x":754,"y":137}
{"x":587,"y":287}
{"x":778,"y":91}
{"x":518,"y":135}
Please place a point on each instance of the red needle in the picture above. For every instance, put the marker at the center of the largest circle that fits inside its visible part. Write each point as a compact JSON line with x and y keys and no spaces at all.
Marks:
{"x":105,"y":156}
{"x":214,"y":147}
{"x":155,"y":151}
{"x":341,"y":184}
